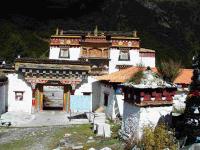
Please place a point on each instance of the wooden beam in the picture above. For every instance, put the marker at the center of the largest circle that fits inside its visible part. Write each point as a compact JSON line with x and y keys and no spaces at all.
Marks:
{"x":68,"y":100}
{"x":41,"y":97}
{"x":65,"y":98}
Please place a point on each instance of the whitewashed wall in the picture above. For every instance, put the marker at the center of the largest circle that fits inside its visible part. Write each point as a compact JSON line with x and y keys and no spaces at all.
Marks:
{"x":147,"y":61}
{"x":74,"y":53}
{"x":87,"y":86}
{"x":17,"y":83}
{"x":144,"y":116}
{"x":114,"y":56}
{"x":114,"y":101}
{"x":120,"y":101}
{"x":3,"y":98}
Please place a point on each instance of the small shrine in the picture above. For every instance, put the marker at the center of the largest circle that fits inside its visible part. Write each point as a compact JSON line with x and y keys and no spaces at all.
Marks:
{"x":151,"y":91}
{"x":148,"y":101}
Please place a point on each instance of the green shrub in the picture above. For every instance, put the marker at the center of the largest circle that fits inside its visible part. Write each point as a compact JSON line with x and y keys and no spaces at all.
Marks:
{"x":137,"y":77}
{"x":154,"y":139}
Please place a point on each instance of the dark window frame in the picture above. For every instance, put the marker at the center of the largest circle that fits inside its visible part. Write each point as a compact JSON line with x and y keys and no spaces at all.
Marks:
{"x":106,"y":97}
{"x":123,"y":59}
{"x":63,"y":49}
{"x":87,"y":93}
{"x":19,"y":97}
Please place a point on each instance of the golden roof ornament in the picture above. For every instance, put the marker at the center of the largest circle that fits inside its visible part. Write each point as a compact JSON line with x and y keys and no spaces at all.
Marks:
{"x":57,"y":30}
{"x":134,"y":33}
{"x":61,"y":32}
{"x":96,"y":31}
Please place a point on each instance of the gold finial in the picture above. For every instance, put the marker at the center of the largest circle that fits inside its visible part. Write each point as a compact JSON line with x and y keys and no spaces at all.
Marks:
{"x":57,"y":30}
{"x":135,"y":33}
{"x":96,"y":31}
{"x":88,"y":34}
{"x":61,"y":32}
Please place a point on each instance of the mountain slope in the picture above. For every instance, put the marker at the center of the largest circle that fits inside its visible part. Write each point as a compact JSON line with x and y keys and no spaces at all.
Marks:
{"x":171,"y":27}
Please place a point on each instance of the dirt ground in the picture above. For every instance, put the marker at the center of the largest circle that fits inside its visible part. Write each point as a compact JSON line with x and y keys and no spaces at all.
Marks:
{"x":37,"y":138}
{"x":51,"y":137}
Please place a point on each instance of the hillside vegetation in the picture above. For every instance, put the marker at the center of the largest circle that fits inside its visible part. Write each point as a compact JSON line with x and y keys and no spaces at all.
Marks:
{"x":171,"y":27}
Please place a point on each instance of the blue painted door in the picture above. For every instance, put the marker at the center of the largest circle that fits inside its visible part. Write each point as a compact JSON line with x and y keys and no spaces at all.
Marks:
{"x":80,"y":103}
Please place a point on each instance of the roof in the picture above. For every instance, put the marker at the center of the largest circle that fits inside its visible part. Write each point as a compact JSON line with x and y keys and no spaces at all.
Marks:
{"x":51,"y":61}
{"x":185,"y":77}
{"x":124,"y":75}
{"x":144,"y":50}
{"x":149,"y":79}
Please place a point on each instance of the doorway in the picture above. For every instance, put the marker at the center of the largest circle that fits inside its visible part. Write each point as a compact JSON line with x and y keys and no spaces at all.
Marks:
{"x":53,"y":97}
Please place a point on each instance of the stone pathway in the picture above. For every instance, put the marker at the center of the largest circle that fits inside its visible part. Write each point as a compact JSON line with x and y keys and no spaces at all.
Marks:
{"x":45,"y":118}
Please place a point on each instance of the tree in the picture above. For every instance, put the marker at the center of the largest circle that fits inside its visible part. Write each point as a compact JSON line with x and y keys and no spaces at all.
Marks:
{"x":169,"y":70}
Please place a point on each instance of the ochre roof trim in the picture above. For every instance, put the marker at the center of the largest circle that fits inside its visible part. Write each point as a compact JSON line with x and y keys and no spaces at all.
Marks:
{"x":124,"y":75}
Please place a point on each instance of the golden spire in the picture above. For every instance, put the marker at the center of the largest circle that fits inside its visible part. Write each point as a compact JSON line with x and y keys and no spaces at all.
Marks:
{"x":96,"y":31}
{"x":134,"y":33}
{"x":57,"y":30}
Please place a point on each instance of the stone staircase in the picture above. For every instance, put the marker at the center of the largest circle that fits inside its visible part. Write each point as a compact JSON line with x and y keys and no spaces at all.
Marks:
{"x":100,"y":127}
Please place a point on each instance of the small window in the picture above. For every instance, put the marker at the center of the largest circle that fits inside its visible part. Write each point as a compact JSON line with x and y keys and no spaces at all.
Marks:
{"x":64,"y":53}
{"x":124,"y":55}
{"x":19,"y":95}
{"x":86,"y":93}
{"x":106,"y":99}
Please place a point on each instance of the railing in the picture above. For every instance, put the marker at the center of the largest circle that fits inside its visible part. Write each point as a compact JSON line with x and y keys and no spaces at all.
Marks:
{"x":93,"y":56}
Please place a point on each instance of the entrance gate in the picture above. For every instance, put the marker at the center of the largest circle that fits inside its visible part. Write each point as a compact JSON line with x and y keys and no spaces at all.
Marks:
{"x":53,"y":97}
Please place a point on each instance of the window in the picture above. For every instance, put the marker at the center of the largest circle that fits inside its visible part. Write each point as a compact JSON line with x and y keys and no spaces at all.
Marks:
{"x":124,"y":55}
{"x":64,"y":52}
{"x":19,"y":95}
{"x":106,"y":99}
{"x":86,"y":93}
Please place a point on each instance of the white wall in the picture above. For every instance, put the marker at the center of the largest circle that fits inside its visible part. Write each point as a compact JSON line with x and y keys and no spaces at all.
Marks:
{"x":147,"y":61}
{"x":87,"y":86}
{"x":74,"y":53}
{"x":114,"y":56}
{"x":145,"y":116}
{"x":3,"y":97}
{"x":115,"y":102}
{"x":109,"y":110}
{"x":17,"y":83}
{"x":120,"y":101}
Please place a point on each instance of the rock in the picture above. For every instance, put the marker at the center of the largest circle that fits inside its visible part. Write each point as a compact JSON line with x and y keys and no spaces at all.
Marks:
{"x":92,"y":148}
{"x":106,"y":148}
{"x":103,"y":129}
{"x":62,"y":142}
{"x":100,"y":129}
{"x":57,"y":148}
{"x":79,"y":147}
{"x":107,"y":132}
{"x":90,"y":141}
{"x":90,"y":138}
{"x":67,"y":135}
